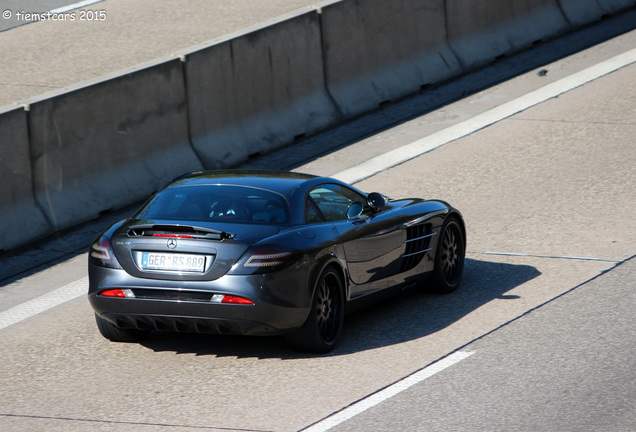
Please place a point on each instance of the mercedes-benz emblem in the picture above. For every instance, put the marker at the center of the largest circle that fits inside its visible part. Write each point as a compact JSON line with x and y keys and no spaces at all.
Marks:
{"x":172,"y":243}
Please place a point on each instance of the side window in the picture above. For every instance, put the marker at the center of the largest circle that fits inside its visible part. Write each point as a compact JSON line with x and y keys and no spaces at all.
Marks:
{"x":312,"y":214}
{"x":334,"y":200}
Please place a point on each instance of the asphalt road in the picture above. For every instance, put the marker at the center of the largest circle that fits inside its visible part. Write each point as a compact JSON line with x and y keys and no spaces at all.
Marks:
{"x":570,"y":365}
{"x":546,"y":306}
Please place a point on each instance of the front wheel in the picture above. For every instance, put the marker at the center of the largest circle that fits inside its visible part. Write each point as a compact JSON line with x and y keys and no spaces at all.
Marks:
{"x":321,"y":330}
{"x":449,"y":258}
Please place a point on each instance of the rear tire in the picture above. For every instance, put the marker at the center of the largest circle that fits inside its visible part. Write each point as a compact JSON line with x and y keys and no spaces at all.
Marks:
{"x":449,"y":259}
{"x":115,"y":334}
{"x":321,"y":331}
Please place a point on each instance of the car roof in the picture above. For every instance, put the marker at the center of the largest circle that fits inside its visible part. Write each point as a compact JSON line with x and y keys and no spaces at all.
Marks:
{"x":291,"y":185}
{"x":283,"y":182}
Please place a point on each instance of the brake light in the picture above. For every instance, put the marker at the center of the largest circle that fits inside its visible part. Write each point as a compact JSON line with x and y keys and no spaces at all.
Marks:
{"x":173,"y":236}
{"x":101,"y":254}
{"x":121,"y":293}
{"x":231,"y":299}
{"x":263,"y":259}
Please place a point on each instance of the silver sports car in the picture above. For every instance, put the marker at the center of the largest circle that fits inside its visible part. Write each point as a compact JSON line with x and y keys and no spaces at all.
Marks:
{"x":265,"y":253}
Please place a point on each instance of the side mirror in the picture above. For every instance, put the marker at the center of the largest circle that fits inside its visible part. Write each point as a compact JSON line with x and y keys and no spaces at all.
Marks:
{"x":376,"y":200}
{"x":354,"y":210}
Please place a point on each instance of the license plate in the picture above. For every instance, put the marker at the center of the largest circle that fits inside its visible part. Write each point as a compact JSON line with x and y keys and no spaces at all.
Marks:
{"x":172,"y":262}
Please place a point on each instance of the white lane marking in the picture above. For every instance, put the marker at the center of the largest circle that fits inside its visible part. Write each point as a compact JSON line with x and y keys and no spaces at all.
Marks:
{"x":376,"y":398}
{"x":44,"y":302}
{"x":395,"y":157}
{"x":77,"y":5}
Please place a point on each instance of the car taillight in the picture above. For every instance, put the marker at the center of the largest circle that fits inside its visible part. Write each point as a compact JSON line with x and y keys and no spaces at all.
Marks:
{"x":264,"y":259}
{"x":231,"y":299}
{"x":121,"y":293}
{"x":101,"y":254}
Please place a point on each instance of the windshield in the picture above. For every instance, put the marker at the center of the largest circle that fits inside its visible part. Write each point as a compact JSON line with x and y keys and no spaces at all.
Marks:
{"x":217,"y":203}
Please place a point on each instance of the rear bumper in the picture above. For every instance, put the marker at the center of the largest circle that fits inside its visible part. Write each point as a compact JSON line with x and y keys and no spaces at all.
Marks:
{"x":191,"y":324}
{"x":281,"y":303}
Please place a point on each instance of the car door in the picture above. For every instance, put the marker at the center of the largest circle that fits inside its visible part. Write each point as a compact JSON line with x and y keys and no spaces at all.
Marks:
{"x":371,"y":239}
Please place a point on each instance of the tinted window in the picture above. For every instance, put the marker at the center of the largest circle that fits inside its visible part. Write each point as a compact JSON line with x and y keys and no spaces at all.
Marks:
{"x":312,"y":215}
{"x":334,"y":200}
{"x":218,"y":203}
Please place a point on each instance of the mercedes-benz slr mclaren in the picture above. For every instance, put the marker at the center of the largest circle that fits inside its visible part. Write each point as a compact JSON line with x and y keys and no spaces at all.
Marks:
{"x":266,"y":253}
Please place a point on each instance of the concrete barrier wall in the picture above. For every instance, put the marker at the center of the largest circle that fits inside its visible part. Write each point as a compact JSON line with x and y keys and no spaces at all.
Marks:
{"x":479,"y":31}
{"x":106,"y":145}
{"x":21,"y":220}
{"x":582,"y":12}
{"x":614,"y":6}
{"x":378,"y":50}
{"x":257,"y":91}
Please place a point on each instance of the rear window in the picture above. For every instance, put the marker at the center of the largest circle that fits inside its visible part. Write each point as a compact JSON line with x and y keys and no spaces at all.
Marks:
{"x":218,"y":203}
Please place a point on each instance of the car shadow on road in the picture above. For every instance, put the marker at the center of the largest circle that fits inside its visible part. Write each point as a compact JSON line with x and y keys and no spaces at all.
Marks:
{"x":410,"y":315}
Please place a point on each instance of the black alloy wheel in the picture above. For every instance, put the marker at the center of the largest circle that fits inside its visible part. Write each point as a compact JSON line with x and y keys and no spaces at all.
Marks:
{"x":321,"y":330}
{"x":449,"y":260}
{"x":327,"y":308}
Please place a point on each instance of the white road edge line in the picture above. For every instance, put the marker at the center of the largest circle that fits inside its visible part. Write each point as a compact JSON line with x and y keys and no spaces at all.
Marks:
{"x":371,"y":166}
{"x":376,"y":398}
{"x":395,"y":157}
{"x":73,"y":6}
{"x":44,"y":302}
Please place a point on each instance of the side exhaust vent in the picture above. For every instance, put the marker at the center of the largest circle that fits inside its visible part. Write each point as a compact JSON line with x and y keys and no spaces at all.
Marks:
{"x":418,"y":242}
